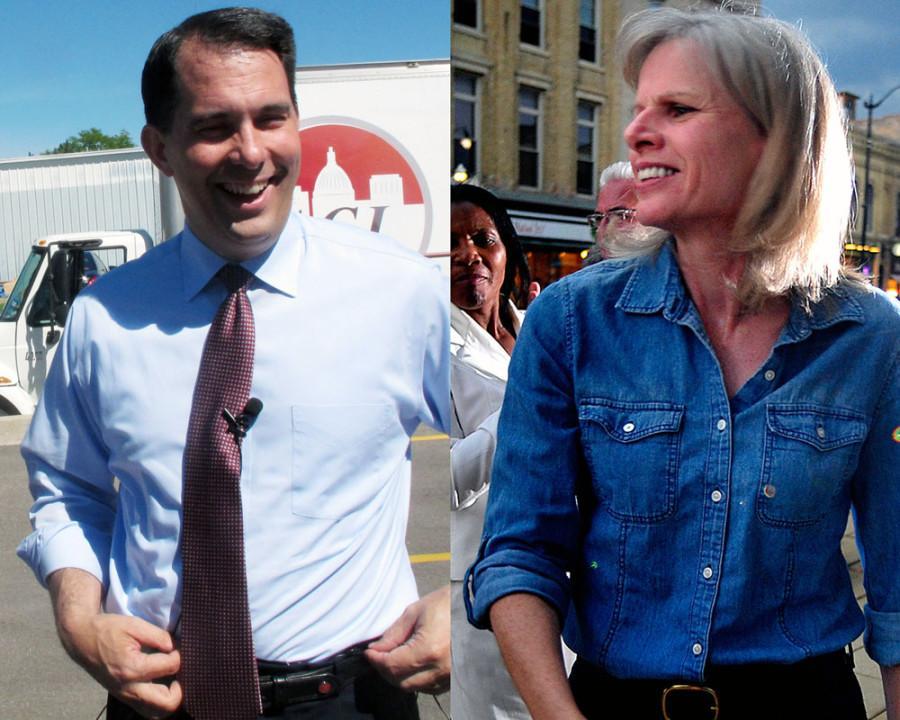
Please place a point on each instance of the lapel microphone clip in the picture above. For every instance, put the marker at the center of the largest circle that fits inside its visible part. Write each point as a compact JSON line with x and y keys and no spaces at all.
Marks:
{"x":239,"y":426}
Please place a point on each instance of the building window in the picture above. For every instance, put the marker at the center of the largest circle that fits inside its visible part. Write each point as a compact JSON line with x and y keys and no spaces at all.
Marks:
{"x":530,"y":22}
{"x":587,"y":147}
{"x":529,"y":137}
{"x":465,"y":12}
{"x":465,"y":121}
{"x":587,"y":32}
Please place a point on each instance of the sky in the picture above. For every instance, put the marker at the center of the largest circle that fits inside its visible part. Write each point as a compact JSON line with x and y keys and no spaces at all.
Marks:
{"x":68,"y":66}
{"x":858,"y":41}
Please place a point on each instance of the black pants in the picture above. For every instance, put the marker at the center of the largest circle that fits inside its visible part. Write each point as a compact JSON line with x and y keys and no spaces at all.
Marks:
{"x":368,"y":697}
{"x":824,"y":688}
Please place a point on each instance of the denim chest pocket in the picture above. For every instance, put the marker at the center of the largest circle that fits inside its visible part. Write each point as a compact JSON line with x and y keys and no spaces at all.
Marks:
{"x":810,"y":451}
{"x":342,"y":457}
{"x":632,"y":450}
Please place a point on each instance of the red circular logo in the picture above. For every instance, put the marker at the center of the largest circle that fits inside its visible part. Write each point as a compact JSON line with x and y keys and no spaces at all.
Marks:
{"x":356,"y":173}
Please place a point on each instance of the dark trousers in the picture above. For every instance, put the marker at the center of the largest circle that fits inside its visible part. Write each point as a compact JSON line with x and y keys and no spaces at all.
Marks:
{"x":824,"y":688}
{"x":369,"y":696}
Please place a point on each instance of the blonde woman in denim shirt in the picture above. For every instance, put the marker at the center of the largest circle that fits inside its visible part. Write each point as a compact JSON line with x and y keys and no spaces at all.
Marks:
{"x":685,"y":433}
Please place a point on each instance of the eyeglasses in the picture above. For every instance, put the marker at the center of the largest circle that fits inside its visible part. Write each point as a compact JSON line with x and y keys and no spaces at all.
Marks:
{"x":623,"y":214}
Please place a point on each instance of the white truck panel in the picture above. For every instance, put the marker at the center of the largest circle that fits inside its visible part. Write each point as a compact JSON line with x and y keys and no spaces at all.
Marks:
{"x":98,"y":191}
{"x":405,"y":104}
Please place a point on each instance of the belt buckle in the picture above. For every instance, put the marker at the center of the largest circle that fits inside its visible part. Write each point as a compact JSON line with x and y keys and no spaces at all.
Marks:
{"x":674,"y":690}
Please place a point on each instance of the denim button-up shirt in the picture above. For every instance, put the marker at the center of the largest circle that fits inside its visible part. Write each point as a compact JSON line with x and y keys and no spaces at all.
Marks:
{"x":671,"y":525}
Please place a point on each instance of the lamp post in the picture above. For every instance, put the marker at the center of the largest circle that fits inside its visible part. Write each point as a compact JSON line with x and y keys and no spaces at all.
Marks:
{"x":870,"y":106}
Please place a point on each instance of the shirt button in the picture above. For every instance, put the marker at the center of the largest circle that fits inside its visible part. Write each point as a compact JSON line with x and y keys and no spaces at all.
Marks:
{"x":769,"y":491}
{"x":707,"y":572}
{"x":697,"y":649}
{"x":769,"y":375}
{"x":820,"y":431}
{"x":628,"y":427}
{"x":716,"y":496}
{"x":722,"y":424}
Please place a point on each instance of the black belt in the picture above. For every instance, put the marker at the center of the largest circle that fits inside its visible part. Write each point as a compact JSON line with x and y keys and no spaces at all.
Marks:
{"x":755,"y":690}
{"x":284,"y":684}
{"x":702,"y":700}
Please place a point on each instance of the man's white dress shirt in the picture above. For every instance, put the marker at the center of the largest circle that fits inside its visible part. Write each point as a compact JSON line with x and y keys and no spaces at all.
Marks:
{"x":351,"y":355}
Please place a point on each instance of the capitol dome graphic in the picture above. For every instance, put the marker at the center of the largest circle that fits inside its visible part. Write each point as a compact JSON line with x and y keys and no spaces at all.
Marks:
{"x":333,"y":188}
{"x":350,"y":175}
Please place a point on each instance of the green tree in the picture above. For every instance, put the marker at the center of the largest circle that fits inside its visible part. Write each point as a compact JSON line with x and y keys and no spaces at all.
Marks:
{"x":92,"y":139}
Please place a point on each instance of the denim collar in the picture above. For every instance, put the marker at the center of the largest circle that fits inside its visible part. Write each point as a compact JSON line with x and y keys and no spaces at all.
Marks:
{"x":656,"y":286}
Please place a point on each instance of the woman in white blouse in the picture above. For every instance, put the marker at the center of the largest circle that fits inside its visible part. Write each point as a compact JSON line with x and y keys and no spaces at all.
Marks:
{"x":488,"y":277}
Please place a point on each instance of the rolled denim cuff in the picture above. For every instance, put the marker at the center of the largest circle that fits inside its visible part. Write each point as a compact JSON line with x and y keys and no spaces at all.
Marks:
{"x":882,"y":636}
{"x":512,"y":571}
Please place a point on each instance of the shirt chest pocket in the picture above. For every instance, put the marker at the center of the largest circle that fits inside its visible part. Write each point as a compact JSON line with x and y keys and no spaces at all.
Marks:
{"x":343,"y":457}
{"x":810,"y":452}
{"x":632,"y":450}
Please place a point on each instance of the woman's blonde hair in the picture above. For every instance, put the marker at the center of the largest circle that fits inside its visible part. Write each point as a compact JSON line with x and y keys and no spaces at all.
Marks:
{"x":797,"y":212}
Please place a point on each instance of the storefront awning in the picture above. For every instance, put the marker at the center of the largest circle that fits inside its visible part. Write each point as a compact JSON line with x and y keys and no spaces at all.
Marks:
{"x":563,"y":230}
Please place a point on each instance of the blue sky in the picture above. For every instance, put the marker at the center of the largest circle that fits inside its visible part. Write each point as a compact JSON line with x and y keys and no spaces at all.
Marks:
{"x":857,"y":40}
{"x":67,"y":66}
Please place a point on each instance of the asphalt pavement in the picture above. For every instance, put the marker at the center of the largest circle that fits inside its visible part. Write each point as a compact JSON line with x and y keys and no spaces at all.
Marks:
{"x":39,"y":682}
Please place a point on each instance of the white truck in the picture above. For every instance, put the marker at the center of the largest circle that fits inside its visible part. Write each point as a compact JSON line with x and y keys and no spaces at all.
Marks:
{"x":31,"y":321}
{"x":375,"y":154}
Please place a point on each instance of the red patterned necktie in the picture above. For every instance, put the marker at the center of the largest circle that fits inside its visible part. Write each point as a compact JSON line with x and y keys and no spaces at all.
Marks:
{"x":218,"y":665}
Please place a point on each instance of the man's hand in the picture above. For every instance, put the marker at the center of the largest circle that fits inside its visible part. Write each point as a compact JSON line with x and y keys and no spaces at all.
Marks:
{"x":124,"y":654}
{"x":414,"y":652}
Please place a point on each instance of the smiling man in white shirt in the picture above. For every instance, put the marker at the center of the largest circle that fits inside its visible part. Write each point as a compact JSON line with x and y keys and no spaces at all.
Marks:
{"x":345,"y":372}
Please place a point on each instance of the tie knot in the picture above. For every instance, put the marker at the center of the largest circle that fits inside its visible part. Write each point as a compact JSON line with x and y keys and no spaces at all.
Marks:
{"x":235,"y":277}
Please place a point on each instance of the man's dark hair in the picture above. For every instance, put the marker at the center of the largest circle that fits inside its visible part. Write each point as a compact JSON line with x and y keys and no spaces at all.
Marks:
{"x":234,"y":28}
{"x":517,"y":277}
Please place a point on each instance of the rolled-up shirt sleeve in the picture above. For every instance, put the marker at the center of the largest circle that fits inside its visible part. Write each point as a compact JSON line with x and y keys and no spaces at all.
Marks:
{"x":531,"y":525}
{"x":73,"y":490}
{"x":877,"y":513}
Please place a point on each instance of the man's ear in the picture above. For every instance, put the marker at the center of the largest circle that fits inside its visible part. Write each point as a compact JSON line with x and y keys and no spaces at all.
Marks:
{"x":154,"y":144}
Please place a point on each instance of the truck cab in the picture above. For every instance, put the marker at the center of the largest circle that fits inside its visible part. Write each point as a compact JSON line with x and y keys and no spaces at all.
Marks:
{"x":31,"y":322}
